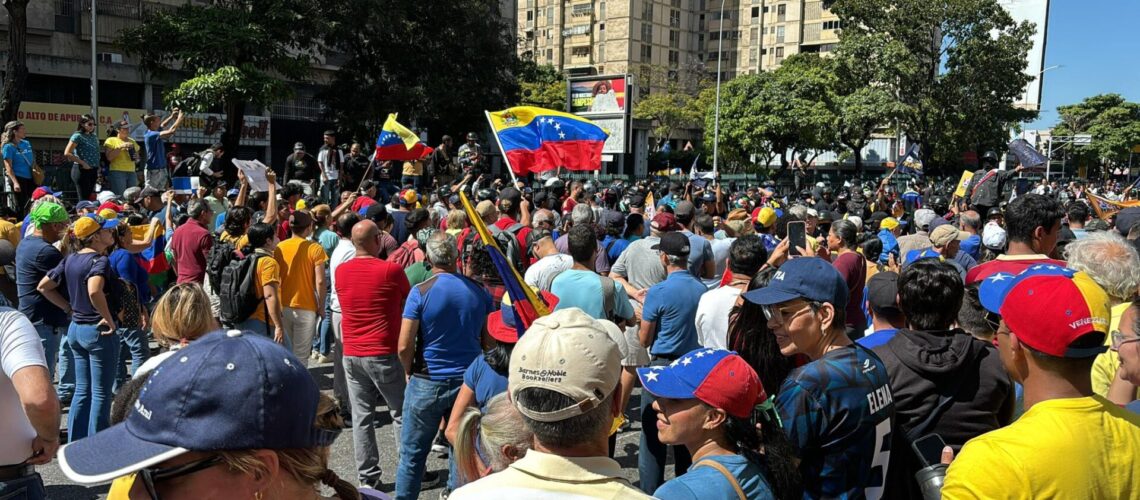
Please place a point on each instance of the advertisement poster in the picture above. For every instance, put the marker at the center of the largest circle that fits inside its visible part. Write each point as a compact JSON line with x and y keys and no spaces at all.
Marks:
{"x":59,"y":121}
{"x":616,"y":142}
{"x":601,"y":95}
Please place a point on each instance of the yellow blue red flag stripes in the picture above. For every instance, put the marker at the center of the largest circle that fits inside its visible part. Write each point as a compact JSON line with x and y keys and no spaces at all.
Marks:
{"x":512,"y":280}
{"x":396,"y":142}
{"x":536,"y":139}
{"x":153,"y":259}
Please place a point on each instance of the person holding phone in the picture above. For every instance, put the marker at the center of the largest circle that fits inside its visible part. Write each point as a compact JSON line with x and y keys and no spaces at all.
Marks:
{"x":93,"y":289}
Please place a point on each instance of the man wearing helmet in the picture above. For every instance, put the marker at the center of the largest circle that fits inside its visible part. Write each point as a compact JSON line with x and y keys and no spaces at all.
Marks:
{"x":985,"y":188}
{"x":470,"y":158}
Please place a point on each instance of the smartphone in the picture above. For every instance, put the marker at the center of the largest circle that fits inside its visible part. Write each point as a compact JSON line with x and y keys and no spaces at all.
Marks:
{"x":929,"y":449}
{"x":103,"y":328}
{"x":797,"y":237}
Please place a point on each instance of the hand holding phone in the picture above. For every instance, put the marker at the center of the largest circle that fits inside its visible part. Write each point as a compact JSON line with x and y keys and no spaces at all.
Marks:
{"x":797,"y":237}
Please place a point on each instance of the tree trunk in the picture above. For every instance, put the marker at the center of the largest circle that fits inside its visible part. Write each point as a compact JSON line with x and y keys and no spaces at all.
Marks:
{"x":16,"y":69}
{"x":235,"y":120}
{"x":858,"y":159}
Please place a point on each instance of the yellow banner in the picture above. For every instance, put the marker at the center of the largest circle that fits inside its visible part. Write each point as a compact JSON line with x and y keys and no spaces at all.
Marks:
{"x":962,"y":183}
{"x":59,"y":121}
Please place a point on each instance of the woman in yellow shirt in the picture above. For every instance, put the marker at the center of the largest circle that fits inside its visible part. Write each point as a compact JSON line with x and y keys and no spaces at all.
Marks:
{"x":123,"y":153}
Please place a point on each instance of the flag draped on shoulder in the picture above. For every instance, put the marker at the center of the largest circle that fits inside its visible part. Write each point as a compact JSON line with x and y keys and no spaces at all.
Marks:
{"x":519,"y":292}
{"x":398,"y":143}
{"x":536,"y":139}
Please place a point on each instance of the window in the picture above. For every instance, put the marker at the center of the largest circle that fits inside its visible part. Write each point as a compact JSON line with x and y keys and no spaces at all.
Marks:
{"x":674,"y":18}
{"x":832,"y":25}
{"x":675,"y":3}
{"x":714,"y":36}
{"x":781,"y":12}
{"x":549,"y":15}
{"x":646,"y":53}
{"x":549,"y":55}
{"x":827,"y":47}
{"x":530,"y":4}
{"x":727,"y":14}
{"x":601,"y":52}
{"x":529,"y":16}
{"x":581,"y":9}
{"x":674,"y":58}
{"x":647,"y":33}
{"x":647,"y":10}
{"x":601,"y":10}
{"x":752,"y":57}
{"x":674,"y":38}
{"x":713,"y":56}
{"x":779,"y":34}
{"x":765,"y":9}
{"x":779,"y":52}
{"x":580,"y":51}
{"x":602,"y":27}
{"x":753,"y":34}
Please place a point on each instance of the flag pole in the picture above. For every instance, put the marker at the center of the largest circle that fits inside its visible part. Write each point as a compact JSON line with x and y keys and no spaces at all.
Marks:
{"x":500,"y":143}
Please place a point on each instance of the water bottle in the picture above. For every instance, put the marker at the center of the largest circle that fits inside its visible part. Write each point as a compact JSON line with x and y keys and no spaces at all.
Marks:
{"x":930,"y":481}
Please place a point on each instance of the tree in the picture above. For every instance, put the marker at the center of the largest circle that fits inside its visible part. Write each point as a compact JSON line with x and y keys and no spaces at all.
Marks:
{"x":541,"y":85}
{"x":240,"y":52}
{"x":956,"y":67}
{"x":863,"y":104}
{"x":16,"y":69}
{"x":1113,"y":123}
{"x":669,"y":111}
{"x":439,"y":67}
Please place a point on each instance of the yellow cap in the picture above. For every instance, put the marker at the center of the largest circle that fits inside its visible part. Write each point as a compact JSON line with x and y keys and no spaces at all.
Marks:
{"x":890,"y":223}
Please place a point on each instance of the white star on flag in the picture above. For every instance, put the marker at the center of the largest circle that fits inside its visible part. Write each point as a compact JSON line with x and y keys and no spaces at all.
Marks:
{"x":651,"y":377}
{"x":700,"y":354}
{"x":1051,"y":268}
{"x":562,"y":135}
{"x":687,"y":361}
{"x":557,"y":126}
{"x":657,"y":368}
{"x":1000,"y":277}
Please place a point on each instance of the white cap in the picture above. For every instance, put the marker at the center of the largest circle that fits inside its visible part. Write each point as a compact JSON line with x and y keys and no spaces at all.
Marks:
{"x":570,"y":353}
{"x":923,"y":217}
{"x":858,"y":221}
{"x":993,"y":237}
{"x":105,"y":196}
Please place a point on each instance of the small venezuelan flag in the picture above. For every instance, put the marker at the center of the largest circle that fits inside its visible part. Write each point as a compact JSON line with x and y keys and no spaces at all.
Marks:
{"x":535,"y":139}
{"x":396,"y":142}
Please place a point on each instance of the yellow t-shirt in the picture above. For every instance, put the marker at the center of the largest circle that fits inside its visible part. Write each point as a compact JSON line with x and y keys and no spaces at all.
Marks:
{"x":268,"y":271}
{"x":415,"y":167}
{"x":238,"y":242}
{"x":1061,"y":448}
{"x":299,"y":258}
{"x":1106,"y":364}
{"x":10,"y":232}
{"x":123,"y":162}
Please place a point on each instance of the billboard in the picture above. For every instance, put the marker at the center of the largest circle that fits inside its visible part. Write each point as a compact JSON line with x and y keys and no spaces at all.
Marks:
{"x":1036,"y":12}
{"x":619,"y":135}
{"x":599,"y":95}
{"x":58,"y":121}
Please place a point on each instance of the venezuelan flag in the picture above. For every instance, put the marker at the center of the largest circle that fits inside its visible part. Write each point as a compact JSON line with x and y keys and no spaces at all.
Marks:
{"x":518,"y":292}
{"x":396,"y":142}
{"x":153,"y":259}
{"x":535,"y":139}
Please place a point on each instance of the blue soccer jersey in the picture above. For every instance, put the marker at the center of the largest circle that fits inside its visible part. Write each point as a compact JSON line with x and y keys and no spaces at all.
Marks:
{"x":838,"y":412}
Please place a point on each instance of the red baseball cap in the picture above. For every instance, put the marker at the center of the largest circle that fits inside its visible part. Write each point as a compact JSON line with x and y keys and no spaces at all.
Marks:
{"x":501,"y":323}
{"x":1049,"y":308}
{"x":117,"y":208}
{"x":719,"y":378}
{"x":665,"y":221}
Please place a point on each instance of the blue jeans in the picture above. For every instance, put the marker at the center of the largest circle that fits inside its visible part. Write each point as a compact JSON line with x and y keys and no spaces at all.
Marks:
{"x":51,"y":336}
{"x":426,"y":403}
{"x":66,"y":388}
{"x":652,"y":452}
{"x":134,"y":344}
{"x":120,"y":181}
{"x":322,"y":342}
{"x":413,"y":180}
{"x":24,"y":488}
{"x":256,"y":326}
{"x":96,"y":357}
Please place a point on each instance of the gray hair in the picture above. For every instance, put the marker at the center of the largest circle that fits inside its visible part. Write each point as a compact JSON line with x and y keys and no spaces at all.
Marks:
{"x":499,"y":425}
{"x":542,"y":215}
{"x":572,"y":431}
{"x":196,"y":208}
{"x":971,"y":219}
{"x":1110,"y":260}
{"x":582,"y":214}
{"x":441,"y":250}
{"x":799,"y":211}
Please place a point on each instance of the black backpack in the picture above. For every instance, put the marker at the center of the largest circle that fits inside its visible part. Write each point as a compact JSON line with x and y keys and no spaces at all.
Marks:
{"x":238,"y":290}
{"x":507,"y":241}
{"x":190,"y":166}
{"x":219,"y":256}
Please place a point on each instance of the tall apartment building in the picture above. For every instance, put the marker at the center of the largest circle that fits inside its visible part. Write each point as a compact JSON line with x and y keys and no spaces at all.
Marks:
{"x":658,"y":40}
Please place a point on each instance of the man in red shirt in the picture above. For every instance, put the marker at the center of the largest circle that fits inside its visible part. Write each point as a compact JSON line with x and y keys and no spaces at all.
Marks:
{"x":191,"y":242}
{"x":1033,"y":224}
{"x":371,"y":293}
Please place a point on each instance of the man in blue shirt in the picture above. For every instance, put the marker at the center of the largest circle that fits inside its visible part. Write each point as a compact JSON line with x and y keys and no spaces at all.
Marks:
{"x":157,"y":174}
{"x":443,"y":323}
{"x":838,"y":409}
{"x":970,"y":222}
{"x":35,"y":256}
{"x":668,"y":330}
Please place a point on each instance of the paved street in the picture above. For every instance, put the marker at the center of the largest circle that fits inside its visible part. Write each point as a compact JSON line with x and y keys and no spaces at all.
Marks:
{"x":58,"y":487}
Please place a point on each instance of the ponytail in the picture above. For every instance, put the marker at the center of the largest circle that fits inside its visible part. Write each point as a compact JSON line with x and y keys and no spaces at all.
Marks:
{"x":767,"y":447}
{"x":344,"y":490}
{"x":466,"y":451}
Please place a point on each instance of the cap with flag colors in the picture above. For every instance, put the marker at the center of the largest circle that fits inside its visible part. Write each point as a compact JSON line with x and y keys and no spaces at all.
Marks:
{"x":536,"y":139}
{"x":397,"y":142}
{"x":719,"y":378}
{"x":1050,"y":308}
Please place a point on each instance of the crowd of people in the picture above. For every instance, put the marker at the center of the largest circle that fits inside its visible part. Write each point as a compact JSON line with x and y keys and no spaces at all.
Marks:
{"x":842,"y":340}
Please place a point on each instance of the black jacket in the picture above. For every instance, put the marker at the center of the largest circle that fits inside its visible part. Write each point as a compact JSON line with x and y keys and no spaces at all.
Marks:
{"x":985,"y":190}
{"x":922,"y":365}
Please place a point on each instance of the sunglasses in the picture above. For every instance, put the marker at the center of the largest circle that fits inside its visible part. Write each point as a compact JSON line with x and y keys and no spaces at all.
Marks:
{"x":150,"y":476}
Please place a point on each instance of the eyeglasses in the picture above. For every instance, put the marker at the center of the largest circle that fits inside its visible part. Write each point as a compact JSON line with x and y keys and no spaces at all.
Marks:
{"x":780,"y":317}
{"x":153,"y":475}
{"x":1118,"y":339}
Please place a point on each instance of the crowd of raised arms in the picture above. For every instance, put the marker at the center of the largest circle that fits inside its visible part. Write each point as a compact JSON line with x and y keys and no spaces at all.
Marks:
{"x":832,"y":336}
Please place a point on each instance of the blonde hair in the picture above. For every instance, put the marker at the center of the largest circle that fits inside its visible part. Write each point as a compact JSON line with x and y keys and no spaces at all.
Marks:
{"x":182,"y":314}
{"x":307,"y":465}
{"x":501,"y":425}
{"x":456,"y":219}
{"x":321,"y":215}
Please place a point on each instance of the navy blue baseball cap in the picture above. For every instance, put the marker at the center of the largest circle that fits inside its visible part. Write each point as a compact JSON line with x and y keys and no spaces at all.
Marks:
{"x":808,"y":278}
{"x":228,"y":390}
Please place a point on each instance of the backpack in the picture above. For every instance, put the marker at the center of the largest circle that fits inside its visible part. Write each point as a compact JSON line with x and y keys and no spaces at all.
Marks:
{"x":190,"y":166}
{"x":409,"y":253}
{"x":219,"y":256}
{"x":506,"y":239}
{"x":237,"y":290}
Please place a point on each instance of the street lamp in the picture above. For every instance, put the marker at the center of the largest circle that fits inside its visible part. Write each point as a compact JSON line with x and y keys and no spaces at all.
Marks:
{"x":719,"y":56}
{"x":94,"y":70}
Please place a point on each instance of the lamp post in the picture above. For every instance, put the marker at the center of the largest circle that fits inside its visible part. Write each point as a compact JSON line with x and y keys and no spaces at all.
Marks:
{"x":716,"y":118}
{"x":94,"y":70}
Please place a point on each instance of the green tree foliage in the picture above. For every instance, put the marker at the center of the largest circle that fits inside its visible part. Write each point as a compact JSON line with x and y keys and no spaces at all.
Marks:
{"x":439,"y":64}
{"x":541,"y":85}
{"x":669,"y":111}
{"x":863,"y":101}
{"x":237,"y":50}
{"x":1113,"y":123}
{"x":955,"y":66}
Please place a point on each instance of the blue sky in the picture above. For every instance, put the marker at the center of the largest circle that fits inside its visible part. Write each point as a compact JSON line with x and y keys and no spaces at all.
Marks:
{"x":1096,"y":42}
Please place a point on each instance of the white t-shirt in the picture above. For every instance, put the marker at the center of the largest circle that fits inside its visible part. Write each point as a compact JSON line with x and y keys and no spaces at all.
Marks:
{"x":20,"y":347}
{"x":712,"y":316}
{"x":332,"y":172}
{"x":541,"y":274}
{"x":341,"y":254}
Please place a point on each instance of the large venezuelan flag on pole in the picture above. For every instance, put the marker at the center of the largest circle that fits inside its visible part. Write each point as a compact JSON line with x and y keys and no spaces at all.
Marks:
{"x":536,"y":139}
{"x":398,"y":143}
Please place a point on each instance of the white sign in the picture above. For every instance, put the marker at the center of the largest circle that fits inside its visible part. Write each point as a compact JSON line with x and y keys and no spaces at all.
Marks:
{"x":616,"y":142}
{"x":206,"y":128}
{"x":1082,"y":140}
{"x":607,"y":158}
{"x":254,"y":172}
